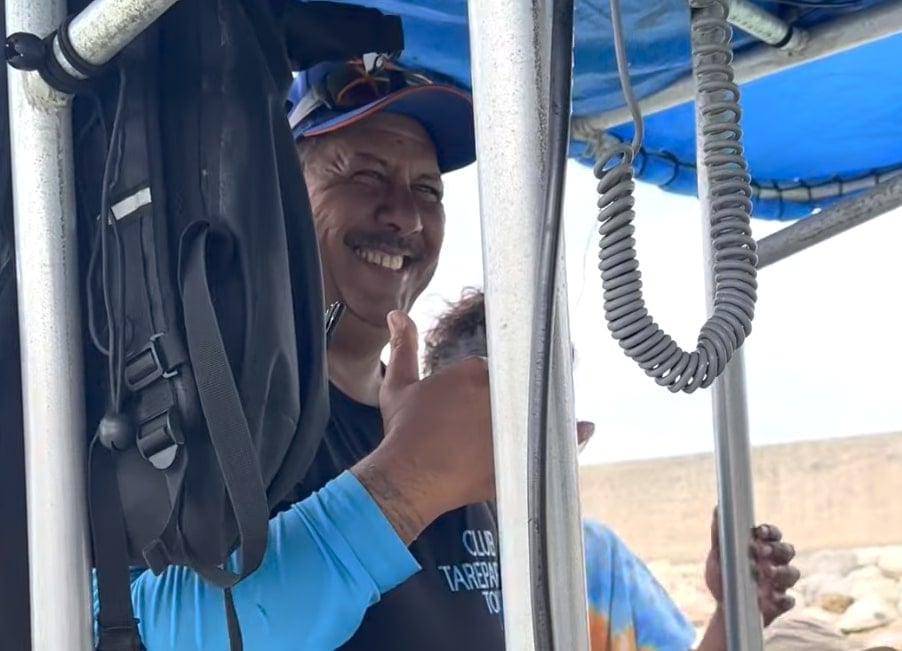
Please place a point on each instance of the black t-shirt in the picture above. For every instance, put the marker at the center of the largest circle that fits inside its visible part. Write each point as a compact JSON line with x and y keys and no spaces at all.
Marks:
{"x":454,"y":602}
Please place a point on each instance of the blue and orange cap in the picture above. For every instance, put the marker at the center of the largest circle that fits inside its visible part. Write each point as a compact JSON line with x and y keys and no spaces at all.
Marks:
{"x":330,"y":96}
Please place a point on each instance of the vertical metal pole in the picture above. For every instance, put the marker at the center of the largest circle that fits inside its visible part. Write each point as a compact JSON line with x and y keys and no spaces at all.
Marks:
{"x":510,"y":51}
{"x":733,"y":459}
{"x":734,"y":490}
{"x":50,"y":333}
{"x":566,"y":559}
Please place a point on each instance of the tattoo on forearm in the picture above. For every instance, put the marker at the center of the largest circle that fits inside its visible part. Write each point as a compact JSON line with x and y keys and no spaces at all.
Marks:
{"x":392,"y":502}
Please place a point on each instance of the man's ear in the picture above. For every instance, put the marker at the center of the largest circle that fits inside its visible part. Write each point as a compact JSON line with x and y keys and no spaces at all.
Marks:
{"x":584,"y":431}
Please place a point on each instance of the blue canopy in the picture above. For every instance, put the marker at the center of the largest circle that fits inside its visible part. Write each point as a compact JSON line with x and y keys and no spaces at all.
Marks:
{"x":830,"y":121}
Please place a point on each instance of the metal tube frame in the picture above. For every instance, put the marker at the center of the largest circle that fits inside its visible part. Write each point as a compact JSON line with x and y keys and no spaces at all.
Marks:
{"x":510,"y":49}
{"x":836,"y":219}
{"x":105,"y":27}
{"x":50,"y":335}
{"x":764,"y":26}
{"x":860,"y":28}
{"x":732,"y":454}
{"x":50,"y":314}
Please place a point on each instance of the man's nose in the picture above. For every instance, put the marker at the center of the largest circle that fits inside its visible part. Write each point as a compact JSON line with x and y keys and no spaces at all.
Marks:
{"x":401,"y":213}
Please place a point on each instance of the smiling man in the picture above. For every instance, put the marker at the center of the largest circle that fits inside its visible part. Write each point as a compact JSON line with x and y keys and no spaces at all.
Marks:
{"x":374,"y":143}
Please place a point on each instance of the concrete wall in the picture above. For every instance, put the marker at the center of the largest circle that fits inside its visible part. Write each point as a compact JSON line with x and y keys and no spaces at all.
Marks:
{"x":837,"y":493}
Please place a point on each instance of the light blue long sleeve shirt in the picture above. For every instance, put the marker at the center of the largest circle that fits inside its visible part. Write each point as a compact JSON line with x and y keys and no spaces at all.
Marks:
{"x":328,"y":559}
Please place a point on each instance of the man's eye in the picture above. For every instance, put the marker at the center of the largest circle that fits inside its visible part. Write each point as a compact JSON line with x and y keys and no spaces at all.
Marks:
{"x":433,"y":193}
{"x":370,"y":176}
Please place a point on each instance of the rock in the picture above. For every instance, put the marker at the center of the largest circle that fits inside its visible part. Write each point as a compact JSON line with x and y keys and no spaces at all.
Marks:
{"x":844,"y":585}
{"x":889,"y":639}
{"x":813,"y":612}
{"x":799,"y":631}
{"x":831,"y":563}
{"x":891,"y":561}
{"x":811,"y":586}
{"x":834,"y":603}
{"x":865,"y":573}
{"x":868,"y":555}
{"x":867,"y":613}
{"x":879,"y":586}
{"x":816,"y":586}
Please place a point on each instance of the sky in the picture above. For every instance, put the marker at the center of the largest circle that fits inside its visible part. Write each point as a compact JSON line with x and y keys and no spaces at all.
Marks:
{"x":822,"y":360}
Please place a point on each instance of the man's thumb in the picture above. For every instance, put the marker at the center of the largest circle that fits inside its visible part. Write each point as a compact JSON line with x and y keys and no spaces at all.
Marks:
{"x":403,"y":363}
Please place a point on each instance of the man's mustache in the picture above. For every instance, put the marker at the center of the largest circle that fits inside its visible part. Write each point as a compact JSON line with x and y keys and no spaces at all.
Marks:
{"x":388,"y":242}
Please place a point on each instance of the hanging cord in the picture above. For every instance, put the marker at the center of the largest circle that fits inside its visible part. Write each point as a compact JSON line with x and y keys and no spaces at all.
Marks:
{"x":729,"y":197}
{"x":560,"y":94}
{"x":112,"y":285}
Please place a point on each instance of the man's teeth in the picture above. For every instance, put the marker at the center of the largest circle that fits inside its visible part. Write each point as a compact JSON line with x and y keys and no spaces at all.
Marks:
{"x":387,"y":260}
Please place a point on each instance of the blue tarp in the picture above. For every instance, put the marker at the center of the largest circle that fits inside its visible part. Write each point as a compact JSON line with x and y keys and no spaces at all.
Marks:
{"x":837,"y":119}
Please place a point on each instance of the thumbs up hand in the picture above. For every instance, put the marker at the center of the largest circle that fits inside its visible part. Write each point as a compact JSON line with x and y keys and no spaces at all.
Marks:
{"x":437,"y":452}
{"x":402,"y":372}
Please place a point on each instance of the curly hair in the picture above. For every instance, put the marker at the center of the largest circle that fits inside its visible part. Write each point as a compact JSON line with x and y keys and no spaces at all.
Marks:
{"x":458,"y":333}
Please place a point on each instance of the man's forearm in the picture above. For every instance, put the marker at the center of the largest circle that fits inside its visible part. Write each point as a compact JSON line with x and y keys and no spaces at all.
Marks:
{"x":394,"y":496}
{"x":715,"y":637}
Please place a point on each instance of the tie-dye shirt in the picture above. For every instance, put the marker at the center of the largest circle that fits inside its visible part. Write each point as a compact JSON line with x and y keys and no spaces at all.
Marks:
{"x":628,"y":608}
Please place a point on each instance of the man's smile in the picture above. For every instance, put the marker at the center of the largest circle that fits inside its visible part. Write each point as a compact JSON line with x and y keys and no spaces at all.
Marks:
{"x":381,"y":258}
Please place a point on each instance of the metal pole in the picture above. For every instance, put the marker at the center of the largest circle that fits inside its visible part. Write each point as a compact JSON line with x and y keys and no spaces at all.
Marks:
{"x":566,"y":558}
{"x":853,"y":30}
{"x":50,"y":333}
{"x":834,"y":220}
{"x":807,"y":194}
{"x":731,"y":445}
{"x":510,"y":46}
{"x":764,"y":26}
{"x":736,"y":504}
{"x":105,"y":27}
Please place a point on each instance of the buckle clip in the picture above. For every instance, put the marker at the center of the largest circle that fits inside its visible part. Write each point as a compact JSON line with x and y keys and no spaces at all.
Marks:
{"x":160,"y":358}
{"x":159,"y":439}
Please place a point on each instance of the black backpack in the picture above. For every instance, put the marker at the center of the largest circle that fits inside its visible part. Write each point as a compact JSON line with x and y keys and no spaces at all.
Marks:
{"x":205,"y":288}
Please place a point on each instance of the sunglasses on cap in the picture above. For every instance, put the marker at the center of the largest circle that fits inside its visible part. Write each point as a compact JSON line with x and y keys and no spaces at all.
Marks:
{"x":356,"y":84}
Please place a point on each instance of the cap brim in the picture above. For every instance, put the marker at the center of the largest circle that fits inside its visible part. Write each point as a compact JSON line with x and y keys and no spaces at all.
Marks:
{"x":445,"y":112}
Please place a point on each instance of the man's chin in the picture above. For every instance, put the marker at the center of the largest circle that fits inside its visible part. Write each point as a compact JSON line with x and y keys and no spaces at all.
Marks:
{"x":373,"y":316}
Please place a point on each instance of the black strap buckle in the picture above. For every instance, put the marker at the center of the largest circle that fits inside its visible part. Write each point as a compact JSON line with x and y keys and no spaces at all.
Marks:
{"x":159,"y":439}
{"x":160,"y":358}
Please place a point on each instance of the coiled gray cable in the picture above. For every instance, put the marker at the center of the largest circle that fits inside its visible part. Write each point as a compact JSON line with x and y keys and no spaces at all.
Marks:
{"x":729,"y":196}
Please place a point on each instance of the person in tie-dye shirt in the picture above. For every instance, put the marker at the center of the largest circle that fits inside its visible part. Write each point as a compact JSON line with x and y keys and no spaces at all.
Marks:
{"x":628,"y":609}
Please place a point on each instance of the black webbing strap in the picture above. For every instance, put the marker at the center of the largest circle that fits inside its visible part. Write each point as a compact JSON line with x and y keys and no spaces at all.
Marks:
{"x":226,"y":421}
{"x":118,"y":628}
